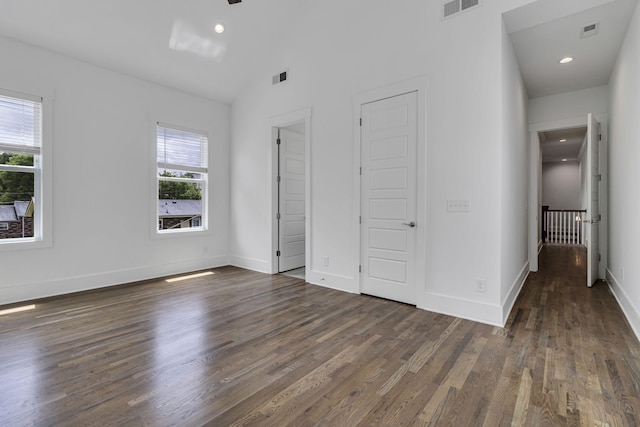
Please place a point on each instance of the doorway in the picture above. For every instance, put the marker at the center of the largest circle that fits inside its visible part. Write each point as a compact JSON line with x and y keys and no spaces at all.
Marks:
{"x":290,"y":193}
{"x":557,"y":148}
{"x":290,"y":211}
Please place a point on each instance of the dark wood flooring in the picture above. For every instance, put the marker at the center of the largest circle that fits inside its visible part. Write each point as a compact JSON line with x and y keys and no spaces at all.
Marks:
{"x":243,"y":348}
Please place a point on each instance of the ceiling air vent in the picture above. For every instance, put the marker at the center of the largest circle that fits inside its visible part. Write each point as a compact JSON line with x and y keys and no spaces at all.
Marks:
{"x":590,"y":30}
{"x":279,"y":78}
{"x":454,"y":6}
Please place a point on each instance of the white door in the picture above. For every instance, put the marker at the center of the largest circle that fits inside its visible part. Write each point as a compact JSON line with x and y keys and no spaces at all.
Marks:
{"x":593,"y":200}
{"x":291,"y":200}
{"x":388,"y":197}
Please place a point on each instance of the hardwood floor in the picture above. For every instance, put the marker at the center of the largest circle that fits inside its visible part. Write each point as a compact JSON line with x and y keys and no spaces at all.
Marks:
{"x":243,"y":348}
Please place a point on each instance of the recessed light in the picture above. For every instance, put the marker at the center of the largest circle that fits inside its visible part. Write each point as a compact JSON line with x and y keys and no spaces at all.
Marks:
{"x":566,"y":60}
{"x":563,"y":140}
{"x":219,"y":28}
{"x":564,"y":160}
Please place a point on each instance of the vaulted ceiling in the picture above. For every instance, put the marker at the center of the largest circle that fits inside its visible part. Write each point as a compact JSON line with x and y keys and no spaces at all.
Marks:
{"x":169,"y":42}
{"x":174,"y":43}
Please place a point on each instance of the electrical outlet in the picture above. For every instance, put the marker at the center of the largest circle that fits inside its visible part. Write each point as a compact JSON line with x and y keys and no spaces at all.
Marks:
{"x":481,"y":285}
{"x":457,"y":206}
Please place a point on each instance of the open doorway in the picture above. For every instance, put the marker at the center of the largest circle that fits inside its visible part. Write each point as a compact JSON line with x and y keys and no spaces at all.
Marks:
{"x":290,"y":164}
{"x":568,"y":165}
{"x":564,"y":199}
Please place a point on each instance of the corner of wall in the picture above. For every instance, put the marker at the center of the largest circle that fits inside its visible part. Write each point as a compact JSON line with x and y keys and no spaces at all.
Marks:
{"x":333,"y":281}
{"x":511,"y":297}
{"x":475,"y":311}
{"x":252,"y":264}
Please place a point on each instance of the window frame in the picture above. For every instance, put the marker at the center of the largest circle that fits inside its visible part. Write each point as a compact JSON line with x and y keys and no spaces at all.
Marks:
{"x":42,"y":174}
{"x":157,"y":232}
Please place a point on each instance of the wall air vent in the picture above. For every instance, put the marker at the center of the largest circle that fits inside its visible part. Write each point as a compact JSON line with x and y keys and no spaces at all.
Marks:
{"x":451,"y":7}
{"x":590,"y":30}
{"x":280,"y":77}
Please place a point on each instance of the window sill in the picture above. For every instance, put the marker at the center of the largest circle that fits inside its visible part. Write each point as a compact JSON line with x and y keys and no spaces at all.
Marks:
{"x":21,"y":244}
{"x":188,"y":232}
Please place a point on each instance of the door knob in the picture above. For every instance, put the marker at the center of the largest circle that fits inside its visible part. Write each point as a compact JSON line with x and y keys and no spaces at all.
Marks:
{"x":409,"y":224}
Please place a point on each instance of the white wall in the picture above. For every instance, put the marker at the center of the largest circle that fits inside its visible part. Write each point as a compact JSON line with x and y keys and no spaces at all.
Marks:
{"x":568,"y":105}
{"x":341,"y":49}
{"x":103,"y":185}
{"x":561,"y":188}
{"x":514,"y":213}
{"x":624,"y":175}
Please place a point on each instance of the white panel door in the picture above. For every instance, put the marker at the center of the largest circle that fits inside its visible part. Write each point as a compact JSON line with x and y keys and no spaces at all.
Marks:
{"x":593,"y":200}
{"x":291,"y":201}
{"x":388,"y":197}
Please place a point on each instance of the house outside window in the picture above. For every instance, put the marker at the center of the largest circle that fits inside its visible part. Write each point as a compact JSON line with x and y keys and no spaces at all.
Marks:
{"x":182,"y":174}
{"x":20,"y":167}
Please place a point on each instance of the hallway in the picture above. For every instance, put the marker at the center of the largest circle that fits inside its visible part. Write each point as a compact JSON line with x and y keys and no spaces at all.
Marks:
{"x":572,"y":347}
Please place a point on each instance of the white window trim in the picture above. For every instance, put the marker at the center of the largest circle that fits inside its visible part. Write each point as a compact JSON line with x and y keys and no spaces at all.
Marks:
{"x":43,"y":176}
{"x":204,"y":229}
{"x":4,"y":226}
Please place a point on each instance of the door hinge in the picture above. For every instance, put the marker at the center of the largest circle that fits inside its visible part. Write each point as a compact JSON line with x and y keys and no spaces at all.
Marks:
{"x":278,"y":178}
{"x":277,"y":253}
{"x":278,"y":215}
{"x":360,"y":121}
{"x":599,"y":177}
{"x":360,"y":170}
{"x":278,"y":141}
{"x":600,"y":136}
{"x":361,"y":220}
{"x":599,"y":257}
{"x":359,"y":269}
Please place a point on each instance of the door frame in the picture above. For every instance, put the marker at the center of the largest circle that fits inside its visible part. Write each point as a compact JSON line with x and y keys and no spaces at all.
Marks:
{"x":277,"y":122}
{"x":535,"y":183}
{"x":419,"y":85}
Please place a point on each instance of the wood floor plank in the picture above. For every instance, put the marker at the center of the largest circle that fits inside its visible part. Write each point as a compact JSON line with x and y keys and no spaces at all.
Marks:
{"x":244,"y":348}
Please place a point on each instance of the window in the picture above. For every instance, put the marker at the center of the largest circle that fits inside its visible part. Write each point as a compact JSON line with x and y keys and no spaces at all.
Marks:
{"x":4,"y":226}
{"x":182,"y":178}
{"x":20,"y":166}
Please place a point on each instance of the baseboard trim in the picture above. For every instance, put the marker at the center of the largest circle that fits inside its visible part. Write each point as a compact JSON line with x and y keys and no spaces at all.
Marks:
{"x":466,"y":309}
{"x":37,"y":290}
{"x":252,"y":264}
{"x":628,"y":308}
{"x":540,"y":246}
{"x":333,"y":281}
{"x":512,"y":296}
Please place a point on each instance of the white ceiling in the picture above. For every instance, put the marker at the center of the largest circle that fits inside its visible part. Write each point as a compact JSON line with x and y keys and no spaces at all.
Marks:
{"x":554,"y":151}
{"x":173,"y":43}
{"x":166,"y":41}
{"x":544,"y":32}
